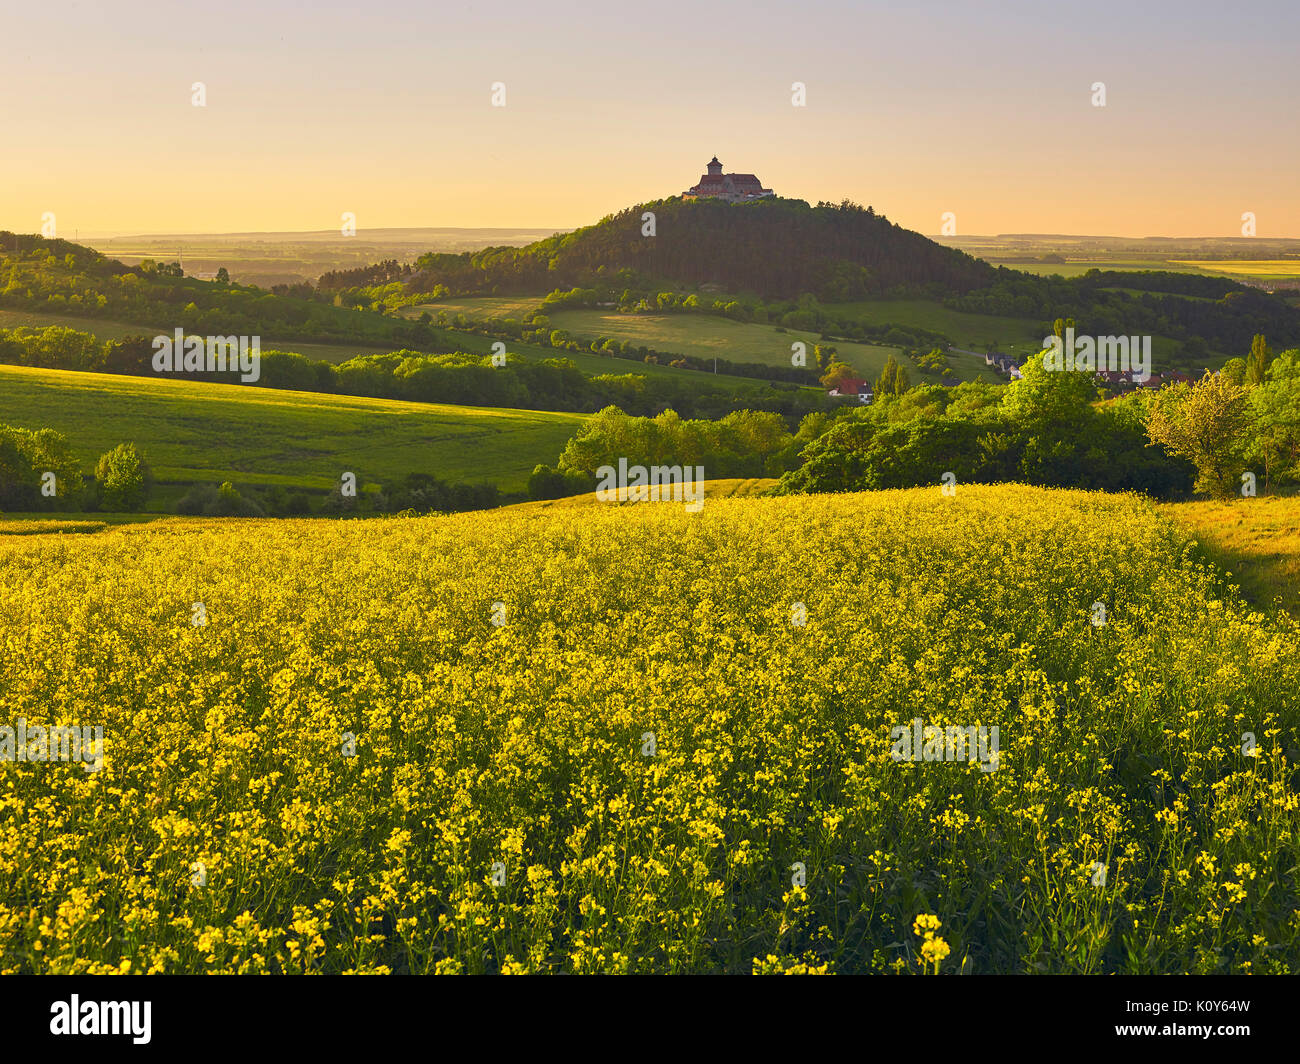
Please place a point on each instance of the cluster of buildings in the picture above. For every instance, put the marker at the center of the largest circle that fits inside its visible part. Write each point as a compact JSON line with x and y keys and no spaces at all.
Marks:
{"x":1004,"y":364}
{"x":1126,"y":382}
{"x":733,"y":188}
{"x":1115,"y":380}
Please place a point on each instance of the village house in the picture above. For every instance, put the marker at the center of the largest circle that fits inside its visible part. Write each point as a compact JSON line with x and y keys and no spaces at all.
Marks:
{"x":850,"y":387}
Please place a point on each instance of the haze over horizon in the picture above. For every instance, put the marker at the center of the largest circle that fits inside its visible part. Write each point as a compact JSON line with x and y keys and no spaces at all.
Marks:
{"x":311,"y":113}
{"x":362,"y":231}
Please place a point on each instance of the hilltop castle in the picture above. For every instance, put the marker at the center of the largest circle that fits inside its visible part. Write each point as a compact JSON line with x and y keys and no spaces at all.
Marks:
{"x":734,"y":188}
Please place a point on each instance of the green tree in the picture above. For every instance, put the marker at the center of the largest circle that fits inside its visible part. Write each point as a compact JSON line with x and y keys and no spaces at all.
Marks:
{"x":893,"y":379}
{"x":1257,"y":361}
{"x":123,"y":478}
{"x":25,"y":459}
{"x":1045,"y":399}
{"x":1275,"y":409}
{"x":1205,"y":423}
{"x":1235,"y":370}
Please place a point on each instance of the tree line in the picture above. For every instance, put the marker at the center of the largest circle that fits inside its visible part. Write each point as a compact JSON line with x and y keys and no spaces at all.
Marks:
{"x":459,"y":378}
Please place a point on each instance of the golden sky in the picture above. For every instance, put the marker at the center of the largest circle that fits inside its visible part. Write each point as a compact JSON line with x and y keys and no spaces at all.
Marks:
{"x":385,"y":110}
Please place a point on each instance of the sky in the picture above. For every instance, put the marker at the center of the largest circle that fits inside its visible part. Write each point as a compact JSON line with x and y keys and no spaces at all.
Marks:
{"x":384,"y":110}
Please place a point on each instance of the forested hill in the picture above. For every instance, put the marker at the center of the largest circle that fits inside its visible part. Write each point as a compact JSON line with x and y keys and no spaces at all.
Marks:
{"x":776,"y":248}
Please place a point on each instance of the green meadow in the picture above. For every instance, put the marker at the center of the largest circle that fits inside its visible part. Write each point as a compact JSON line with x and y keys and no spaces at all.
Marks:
{"x":972,"y":331}
{"x":197,"y":431}
{"x":483,"y":306}
{"x":708,"y":336}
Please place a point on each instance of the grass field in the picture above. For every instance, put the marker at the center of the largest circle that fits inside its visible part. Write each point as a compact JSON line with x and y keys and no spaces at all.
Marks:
{"x":202,"y":432}
{"x":519,"y":307}
{"x":633,"y":739}
{"x":707,"y":336}
{"x":973,"y":331}
{"x":1257,"y":540}
{"x":591,"y":364}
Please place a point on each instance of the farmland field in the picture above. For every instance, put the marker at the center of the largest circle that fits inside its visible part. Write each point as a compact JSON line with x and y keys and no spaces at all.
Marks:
{"x":588,"y":362}
{"x":196,"y":431}
{"x":483,"y":306}
{"x":707,"y":335}
{"x":672,"y":753}
{"x":1259,"y":269}
{"x":1012,"y":335}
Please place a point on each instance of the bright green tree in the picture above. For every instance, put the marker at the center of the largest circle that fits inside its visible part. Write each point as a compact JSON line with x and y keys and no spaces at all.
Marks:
{"x":123,"y":478}
{"x":1275,"y":407}
{"x":1206,"y":423}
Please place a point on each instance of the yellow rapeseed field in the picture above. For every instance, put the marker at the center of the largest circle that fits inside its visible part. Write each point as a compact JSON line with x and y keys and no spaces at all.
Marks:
{"x":630,"y":738}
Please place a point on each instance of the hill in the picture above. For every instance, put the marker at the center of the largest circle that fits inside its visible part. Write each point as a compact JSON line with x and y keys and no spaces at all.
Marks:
{"x":202,"y":432}
{"x":62,"y":278}
{"x":629,"y":739}
{"x":774,"y":247}
{"x":849,"y":273}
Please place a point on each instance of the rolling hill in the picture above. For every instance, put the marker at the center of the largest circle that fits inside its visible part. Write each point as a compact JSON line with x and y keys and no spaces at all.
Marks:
{"x":202,"y":432}
{"x":774,"y":247}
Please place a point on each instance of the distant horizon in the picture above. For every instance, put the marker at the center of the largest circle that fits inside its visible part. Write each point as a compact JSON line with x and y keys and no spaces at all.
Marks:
{"x":335,"y":234}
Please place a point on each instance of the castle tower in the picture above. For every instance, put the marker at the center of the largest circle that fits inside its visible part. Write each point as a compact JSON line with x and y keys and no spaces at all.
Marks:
{"x":715,"y":167}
